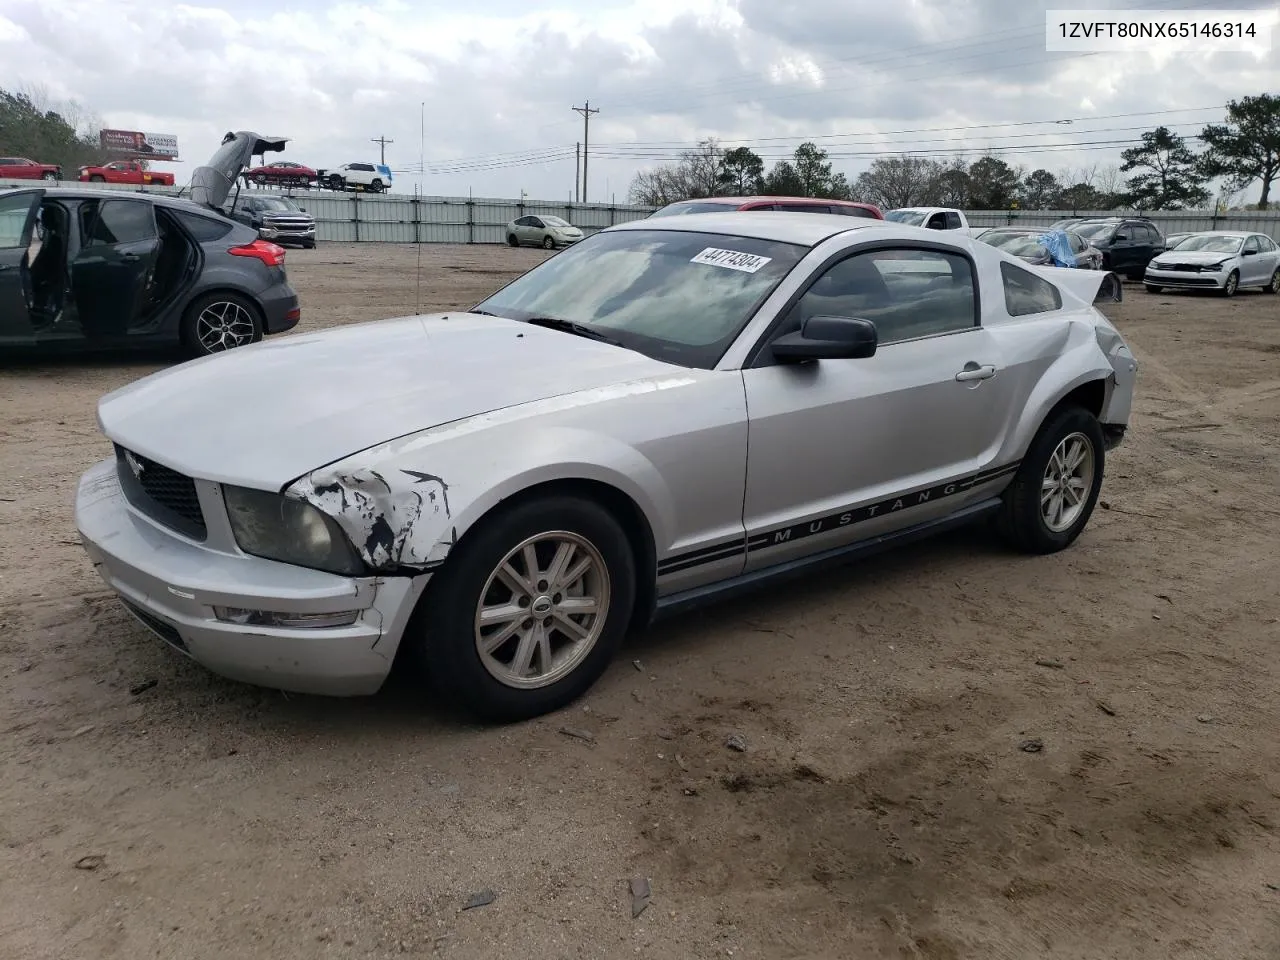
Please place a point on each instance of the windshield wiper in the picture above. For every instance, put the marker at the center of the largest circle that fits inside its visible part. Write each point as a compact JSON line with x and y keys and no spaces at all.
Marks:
{"x":577,"y":329}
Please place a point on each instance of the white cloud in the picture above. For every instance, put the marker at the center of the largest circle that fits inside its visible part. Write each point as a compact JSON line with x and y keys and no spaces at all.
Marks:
{"x":496,"y":80}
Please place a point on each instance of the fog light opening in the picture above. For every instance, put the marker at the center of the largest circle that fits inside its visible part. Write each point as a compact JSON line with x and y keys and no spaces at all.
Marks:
{"x":270,"y":618}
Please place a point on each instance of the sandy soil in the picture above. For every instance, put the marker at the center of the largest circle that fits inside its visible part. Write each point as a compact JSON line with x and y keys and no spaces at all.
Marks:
{"x":885,"y":806}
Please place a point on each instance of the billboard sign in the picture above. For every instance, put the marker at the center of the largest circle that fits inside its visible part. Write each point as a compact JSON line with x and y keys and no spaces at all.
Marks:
{"x":147,"y":146}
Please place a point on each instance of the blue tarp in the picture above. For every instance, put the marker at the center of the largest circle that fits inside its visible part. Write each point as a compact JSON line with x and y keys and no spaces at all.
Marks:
{"x":1059,"y":247}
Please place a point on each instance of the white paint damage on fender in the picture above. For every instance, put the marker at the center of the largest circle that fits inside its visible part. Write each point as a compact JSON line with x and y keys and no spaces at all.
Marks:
{"x":380,"y":517}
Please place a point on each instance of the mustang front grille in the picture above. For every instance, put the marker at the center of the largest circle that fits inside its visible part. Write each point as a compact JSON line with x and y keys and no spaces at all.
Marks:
{"x":163,"y":494}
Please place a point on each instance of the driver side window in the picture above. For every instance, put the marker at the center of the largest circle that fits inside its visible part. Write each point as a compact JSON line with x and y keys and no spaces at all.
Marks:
{"x":907,"y":293}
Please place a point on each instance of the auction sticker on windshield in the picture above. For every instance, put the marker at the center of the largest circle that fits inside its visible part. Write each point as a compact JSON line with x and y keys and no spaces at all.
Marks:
{"x":733,"y":259}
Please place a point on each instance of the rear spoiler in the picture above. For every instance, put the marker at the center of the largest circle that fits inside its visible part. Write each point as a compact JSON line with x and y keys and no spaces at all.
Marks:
{"x":1091,"y":286}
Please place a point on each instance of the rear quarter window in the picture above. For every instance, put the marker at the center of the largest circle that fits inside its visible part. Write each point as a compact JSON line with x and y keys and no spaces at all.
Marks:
{"x":203,"y":228}
{"x":1026,"y":294}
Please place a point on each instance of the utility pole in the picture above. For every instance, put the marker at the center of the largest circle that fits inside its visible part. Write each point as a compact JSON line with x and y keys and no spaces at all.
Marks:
{"x":577,"y":170}
{"x":586,"y":112}
{"x":382,"y":142}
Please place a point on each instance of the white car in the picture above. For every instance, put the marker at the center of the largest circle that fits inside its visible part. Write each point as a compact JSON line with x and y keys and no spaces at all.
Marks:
{"x":374,"y":177}
{"x":542,"y":231}
{"x":1221,"y":260}
{"x":669,"y":412}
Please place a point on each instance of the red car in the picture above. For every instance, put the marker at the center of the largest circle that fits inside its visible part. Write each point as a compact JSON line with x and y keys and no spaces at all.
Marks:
{"x":283,"y":173}
{"x":795,"y":204}
{"x":126,"y":171}
{"x":20,"y":168}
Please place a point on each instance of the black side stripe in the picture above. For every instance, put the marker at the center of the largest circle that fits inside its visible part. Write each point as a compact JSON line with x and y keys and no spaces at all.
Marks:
{"x":832,"y":521}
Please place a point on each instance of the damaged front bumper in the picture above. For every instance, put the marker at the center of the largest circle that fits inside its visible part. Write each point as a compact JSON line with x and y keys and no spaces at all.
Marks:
{"x":248,"y":619}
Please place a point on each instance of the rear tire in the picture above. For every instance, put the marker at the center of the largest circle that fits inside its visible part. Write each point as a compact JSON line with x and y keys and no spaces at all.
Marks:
{"x":220,"y":321}
{"x":1063,"y":468}
{"x":1274,"y":286}
{"x":450,"y":643}
{"x":376,"y":186}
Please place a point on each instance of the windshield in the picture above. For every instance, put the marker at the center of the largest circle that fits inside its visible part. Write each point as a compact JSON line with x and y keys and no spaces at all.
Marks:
{"x":276,"y":203}
{"x":912,"y":218}
{"x":678,"y":297}
{"x":555,"y":221}
{"x":681,"y":208}
{"x":1018,"y":244}
{"x":1092,"y":231}
{"x":1208,"y":243}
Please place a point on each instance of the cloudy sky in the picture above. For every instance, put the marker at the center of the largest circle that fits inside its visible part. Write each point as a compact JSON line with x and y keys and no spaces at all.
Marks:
{"x":495,"y":81}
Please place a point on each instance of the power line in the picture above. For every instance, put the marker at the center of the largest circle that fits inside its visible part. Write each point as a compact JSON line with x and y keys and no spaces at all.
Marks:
{"x":586,"y":112}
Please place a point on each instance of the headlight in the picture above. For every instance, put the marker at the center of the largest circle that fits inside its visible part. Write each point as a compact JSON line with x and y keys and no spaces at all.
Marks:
{"x":275,"y":527}
{"x":1214,"y":267}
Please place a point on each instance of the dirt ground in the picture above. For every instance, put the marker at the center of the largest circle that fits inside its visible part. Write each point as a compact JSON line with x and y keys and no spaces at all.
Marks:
{"x":885,"y":806}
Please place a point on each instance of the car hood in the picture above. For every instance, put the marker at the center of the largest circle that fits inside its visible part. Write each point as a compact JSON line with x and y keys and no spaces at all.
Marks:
{"x":263,"y":415}
{"x":1194,"y":256}
{"x":212,"y":183}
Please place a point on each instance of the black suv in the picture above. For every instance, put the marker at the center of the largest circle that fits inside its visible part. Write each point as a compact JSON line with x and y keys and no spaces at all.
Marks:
{"x":1128,"y":244}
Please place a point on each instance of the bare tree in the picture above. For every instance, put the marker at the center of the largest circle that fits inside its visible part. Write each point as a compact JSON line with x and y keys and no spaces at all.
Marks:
{"x":893,"y":182}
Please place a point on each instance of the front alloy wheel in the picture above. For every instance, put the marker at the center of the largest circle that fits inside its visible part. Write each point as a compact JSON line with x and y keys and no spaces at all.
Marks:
{"x":548,"y":243}
{"x":528,"y":609}
{"x":1232,"y":285}
{"x":542,"y":610}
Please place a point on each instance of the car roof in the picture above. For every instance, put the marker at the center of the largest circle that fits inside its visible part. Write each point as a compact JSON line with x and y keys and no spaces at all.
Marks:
{"x":805,"y":229}
{"x":165,"y":200}
{"x":769,"y":198}
{"x":1225,"y":233}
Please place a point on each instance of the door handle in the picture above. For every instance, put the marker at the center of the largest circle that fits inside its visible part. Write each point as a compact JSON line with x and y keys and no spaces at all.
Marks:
{"x":972,"y":371}
{"x":130,"y":258}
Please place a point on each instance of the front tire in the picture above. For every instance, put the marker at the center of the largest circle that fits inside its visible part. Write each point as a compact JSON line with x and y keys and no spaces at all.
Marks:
{"x":1232,"y":286}
{"x":548,"y":243}
{"x":97,"y":178}
{"x":512,"y":241}
{"x":375,"y":187}
{"x":529,"y":610}
{"x":1056,"y":487}
{"x":49,"y":177}
{"x":220,"y":321}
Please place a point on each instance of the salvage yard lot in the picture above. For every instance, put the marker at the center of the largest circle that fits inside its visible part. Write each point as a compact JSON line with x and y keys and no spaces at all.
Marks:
{"x":890,"y":802}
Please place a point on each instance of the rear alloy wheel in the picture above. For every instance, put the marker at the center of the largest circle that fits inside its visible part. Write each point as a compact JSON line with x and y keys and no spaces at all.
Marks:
{"x":548,"y":243}
{"x":1274,"y":286}
{"x":529,"y":610}
{"x":1232,"y":286}
{"x":219,"y":322}
{"x":1057,"y":485}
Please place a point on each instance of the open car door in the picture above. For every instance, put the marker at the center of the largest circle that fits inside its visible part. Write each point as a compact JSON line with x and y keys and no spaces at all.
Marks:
{"x":18,"y":210}
{"x":110,"y":274}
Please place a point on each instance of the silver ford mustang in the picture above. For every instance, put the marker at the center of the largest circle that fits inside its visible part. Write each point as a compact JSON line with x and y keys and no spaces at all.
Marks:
{"x":668,"y":411}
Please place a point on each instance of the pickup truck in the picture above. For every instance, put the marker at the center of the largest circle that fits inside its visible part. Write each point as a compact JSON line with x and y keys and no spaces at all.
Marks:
{"x":20,"y":168}
{"x":932,"y":218}
{"x":126,"y":171}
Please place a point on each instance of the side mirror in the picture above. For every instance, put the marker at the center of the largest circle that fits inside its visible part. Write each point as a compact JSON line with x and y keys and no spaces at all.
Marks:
{"x":1250,"y":253}
{"x":828,"y":338}
{"x":1120,"y":236}
{"x":302,"y":209}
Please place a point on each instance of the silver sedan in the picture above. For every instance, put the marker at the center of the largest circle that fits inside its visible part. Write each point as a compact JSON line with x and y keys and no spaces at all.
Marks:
{"x":670,"y":412}
{"x":1221,"y":260}
{"x":543,"y":231}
